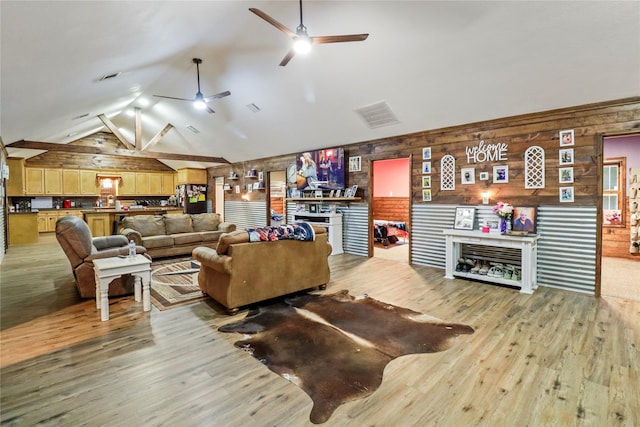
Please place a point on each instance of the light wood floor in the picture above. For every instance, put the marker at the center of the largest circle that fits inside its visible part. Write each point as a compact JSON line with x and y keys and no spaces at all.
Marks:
{"x":553,"y":358}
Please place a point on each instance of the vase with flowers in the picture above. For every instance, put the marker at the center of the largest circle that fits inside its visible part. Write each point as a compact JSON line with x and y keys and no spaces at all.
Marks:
{"x":504,"y":211}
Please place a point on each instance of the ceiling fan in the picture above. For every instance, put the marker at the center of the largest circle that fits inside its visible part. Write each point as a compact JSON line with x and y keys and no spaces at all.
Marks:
{"x":200,"y":101}
{"x":301,"y":40}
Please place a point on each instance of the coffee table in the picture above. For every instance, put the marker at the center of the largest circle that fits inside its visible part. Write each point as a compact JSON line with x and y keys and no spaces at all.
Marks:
{"x":107,"y":269}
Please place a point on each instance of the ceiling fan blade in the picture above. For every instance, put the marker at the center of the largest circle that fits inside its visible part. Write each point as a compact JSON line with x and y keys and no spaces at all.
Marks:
{"x":171,"y":97}
{"x":287,"y":58}
{"x":339,"y":39}
{"x":209,"y":109}
{"x":218,"y":95}
{"x":272,"y":21}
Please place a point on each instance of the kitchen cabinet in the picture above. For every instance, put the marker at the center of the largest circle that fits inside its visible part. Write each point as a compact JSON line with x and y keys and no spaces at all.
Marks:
{"x":99,"y":223}
{"x":88,"y":184}
{"x":53,"y":182}
{"x":70,"y":182}
{"x":155,"y":183}
{"x":23,"y":228}
{"x":15,"y":183}
{"x":142,"y":184}
{"x":192,"y":176}
{"x":34,"y":181}
{"x":47,"y":219}
{"x":168,"y":184}
{"x":127,"y":185}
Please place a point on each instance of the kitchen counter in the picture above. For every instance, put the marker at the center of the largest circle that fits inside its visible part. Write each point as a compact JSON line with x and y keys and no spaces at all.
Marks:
{"x":149,"y":210}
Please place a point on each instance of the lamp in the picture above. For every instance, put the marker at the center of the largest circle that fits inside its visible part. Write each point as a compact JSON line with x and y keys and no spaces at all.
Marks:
{"x":302,"y":43}
{"x":485,"y":197}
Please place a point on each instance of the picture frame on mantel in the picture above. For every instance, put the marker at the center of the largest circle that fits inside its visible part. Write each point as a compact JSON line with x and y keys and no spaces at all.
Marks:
{"x":464,"y":218}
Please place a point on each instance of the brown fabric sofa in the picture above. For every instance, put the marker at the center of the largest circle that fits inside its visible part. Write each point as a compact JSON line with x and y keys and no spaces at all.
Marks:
{"x":175,"y":234}
{"x":81,"y":249}
{"x":239,"y":273}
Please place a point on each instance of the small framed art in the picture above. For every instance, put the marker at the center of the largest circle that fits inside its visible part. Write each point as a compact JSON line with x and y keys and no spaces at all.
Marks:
{"x":524,"y":219}
{"x":566,"y":175}
{"x":426,"y":181}
{"x":566,"y":137}
{"x":566,"y":194}
{"x":468,"y":175}
{"x":318,"y":194}
{"x":464,"y":218}
{"x":484,"y":176}
{"x":260,"y":176}
{"x":566,"y":156}
{"x":426,"y":167}
{"x":313,"y":208}
{"x":426,"y":153}
{"x":355,"y":164}
{"x":500,"y":174}
{"x":426,"y":195}
{"x":338,"y":193}
{"x":237,"y":189}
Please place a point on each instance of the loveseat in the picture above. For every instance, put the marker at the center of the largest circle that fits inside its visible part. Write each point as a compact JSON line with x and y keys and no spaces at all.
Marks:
{"x":174,"y":234}
{"x":81,"y":249}
{"x":240,"y":272}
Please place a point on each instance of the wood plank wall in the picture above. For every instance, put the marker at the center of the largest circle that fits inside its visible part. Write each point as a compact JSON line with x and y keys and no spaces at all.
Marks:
{"x":391,"y":209}
{"x":59,"y":159}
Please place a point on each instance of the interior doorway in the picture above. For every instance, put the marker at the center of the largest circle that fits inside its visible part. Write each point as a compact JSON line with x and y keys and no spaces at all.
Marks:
{"x":219,"y":196}
{"x":277,"y":208}
{"x":390,"y":212}
{"x":620,"y":260}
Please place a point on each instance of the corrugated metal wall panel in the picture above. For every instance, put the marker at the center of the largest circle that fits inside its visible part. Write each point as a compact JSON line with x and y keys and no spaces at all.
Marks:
{"x":567,"y":247}
{"x":246,"y":214}
{"x":355,"y":228}
{"x":426,"y":240}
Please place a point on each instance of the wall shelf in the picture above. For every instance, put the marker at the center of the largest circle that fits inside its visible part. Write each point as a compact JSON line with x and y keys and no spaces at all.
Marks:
{"x":323,"y":199}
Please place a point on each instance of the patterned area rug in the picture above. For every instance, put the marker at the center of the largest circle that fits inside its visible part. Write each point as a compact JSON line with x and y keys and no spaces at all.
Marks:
{"x":174,"y":282}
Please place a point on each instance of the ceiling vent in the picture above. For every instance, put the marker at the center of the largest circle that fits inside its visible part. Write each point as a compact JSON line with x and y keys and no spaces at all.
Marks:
{"x":81,"y":116}
{"x":253,"y":107}
{"x":192,"y":129}
{"x":110,"y":76}
{"x":377,"y":115}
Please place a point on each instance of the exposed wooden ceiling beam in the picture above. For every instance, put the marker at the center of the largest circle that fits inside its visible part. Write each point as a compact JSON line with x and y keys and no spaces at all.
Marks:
{"x":109,"y":124}
{"x":153,"y":141}
{"x":138,"y":128}
{"x":50,"y":146}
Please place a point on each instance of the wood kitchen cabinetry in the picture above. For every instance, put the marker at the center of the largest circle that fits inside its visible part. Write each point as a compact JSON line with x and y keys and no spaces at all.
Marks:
{"x":47,"y":219}
{"x":53,"y":182}
{"x":192,"y":176}
{"x":34,"y":181}
{"x":15,"y":183}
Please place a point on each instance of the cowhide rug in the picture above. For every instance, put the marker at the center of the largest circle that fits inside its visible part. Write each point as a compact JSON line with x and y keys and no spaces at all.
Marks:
{"x":335,"y":347}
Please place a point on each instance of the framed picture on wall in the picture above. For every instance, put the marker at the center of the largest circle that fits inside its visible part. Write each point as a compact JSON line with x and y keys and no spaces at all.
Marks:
{"x":566,"y":137}
{"x":355,"y":164}
{"x":464,"y":218}
{"x":426,"y":153}
{"x":468,"y":175}
{"x":426,"y":167}
{"x":260,"y":176}
{"x":426,"y":195}
{"x":566,"y":156}
{"x":566,"y":194}
{"x":566,"y":175}
{"x":484,"y":176}
{"x":500,"y":174}
{"x":426,"y":181}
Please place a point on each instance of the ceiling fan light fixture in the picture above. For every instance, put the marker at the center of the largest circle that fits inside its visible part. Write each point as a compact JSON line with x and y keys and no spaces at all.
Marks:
{"x":302,"y":44}
{"x":198,"y":102}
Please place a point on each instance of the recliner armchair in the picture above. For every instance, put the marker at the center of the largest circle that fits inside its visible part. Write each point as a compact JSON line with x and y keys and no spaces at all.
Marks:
{"x":81,"y":248}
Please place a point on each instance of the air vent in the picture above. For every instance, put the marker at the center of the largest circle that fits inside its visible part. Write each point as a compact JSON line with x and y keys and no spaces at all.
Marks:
{"x":81,"y":116}
{"x":377,"y":115}
{"x":110,"y":76}
{"x":192,"y":129}
{"x":253,"y":107}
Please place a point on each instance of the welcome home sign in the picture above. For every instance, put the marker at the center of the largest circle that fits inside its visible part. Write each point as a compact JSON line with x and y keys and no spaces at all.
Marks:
{"x":482,"y":152}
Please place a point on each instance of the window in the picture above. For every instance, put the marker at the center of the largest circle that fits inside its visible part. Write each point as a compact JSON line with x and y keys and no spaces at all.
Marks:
{"x":613,"y":187}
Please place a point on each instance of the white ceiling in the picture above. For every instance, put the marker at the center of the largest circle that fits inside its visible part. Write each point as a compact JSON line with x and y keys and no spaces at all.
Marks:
{"x":436,"y":64}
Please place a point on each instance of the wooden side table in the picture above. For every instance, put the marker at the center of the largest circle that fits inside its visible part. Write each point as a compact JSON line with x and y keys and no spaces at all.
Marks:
{"x":107,"y":269}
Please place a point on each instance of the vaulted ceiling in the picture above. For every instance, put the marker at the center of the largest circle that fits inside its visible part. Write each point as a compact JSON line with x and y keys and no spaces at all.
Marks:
{"x":435,"y":64}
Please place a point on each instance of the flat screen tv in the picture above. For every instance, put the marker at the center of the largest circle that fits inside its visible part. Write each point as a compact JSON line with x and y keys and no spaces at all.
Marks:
{"x":318,"y":170}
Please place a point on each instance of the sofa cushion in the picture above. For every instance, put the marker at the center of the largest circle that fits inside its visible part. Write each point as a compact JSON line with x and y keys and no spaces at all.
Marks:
{"x":210,"y":236}
{"x":151,"y":242}
{"x":178,"y":223}
{"x":146,"y":225}
{"x":186,"y":238}
{"x":205,"y":221}
{"x":227,"y":239}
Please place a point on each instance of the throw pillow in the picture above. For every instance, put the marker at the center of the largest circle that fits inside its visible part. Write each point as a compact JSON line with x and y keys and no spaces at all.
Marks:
{"x":146,"y":225}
